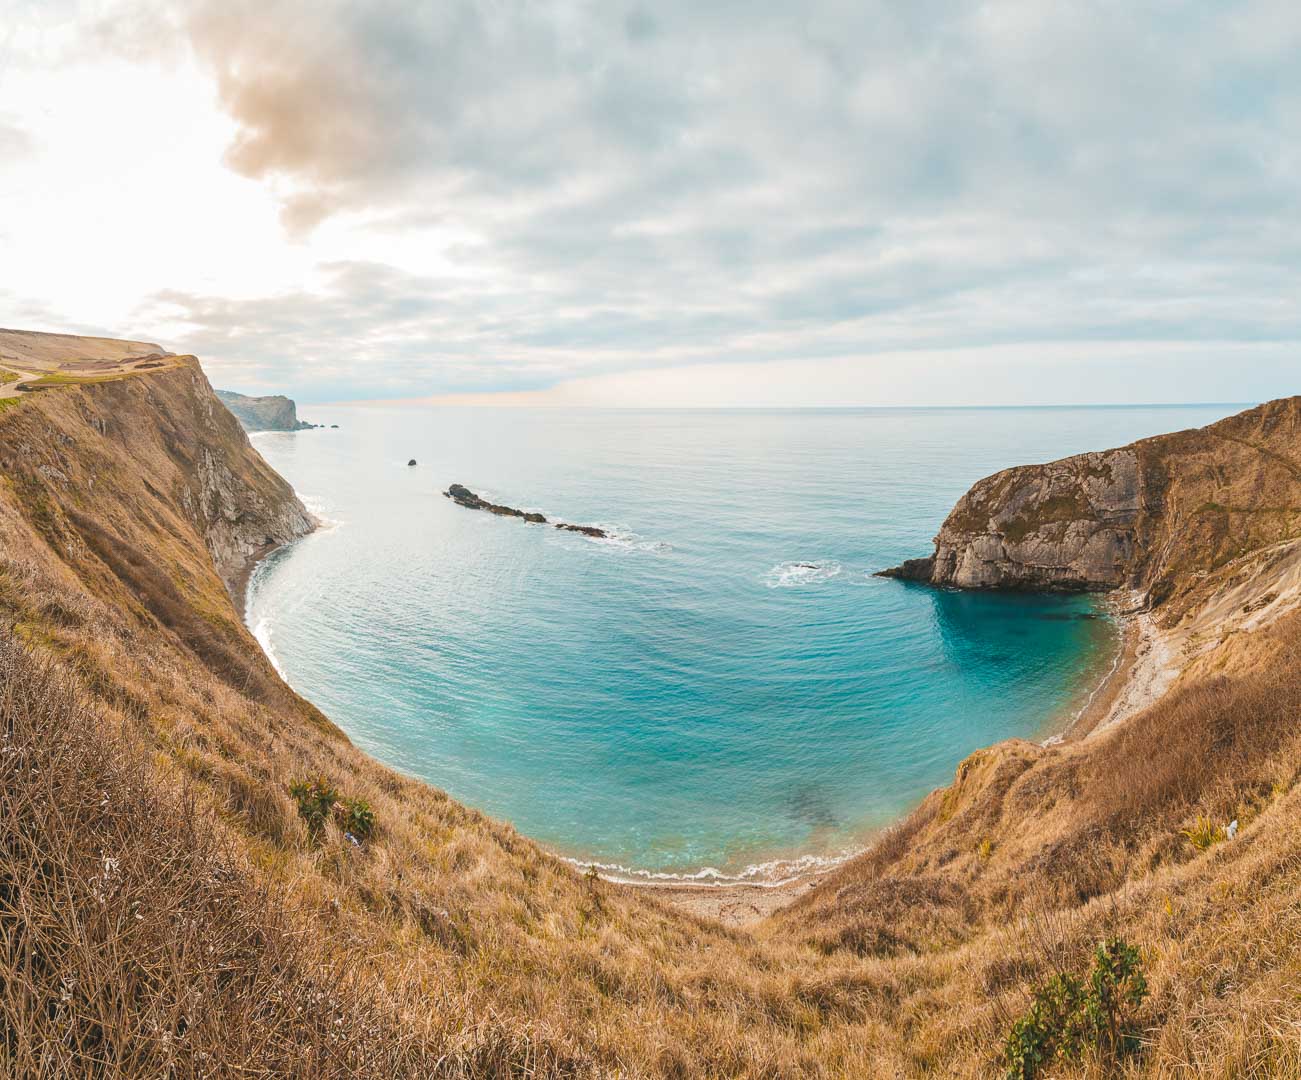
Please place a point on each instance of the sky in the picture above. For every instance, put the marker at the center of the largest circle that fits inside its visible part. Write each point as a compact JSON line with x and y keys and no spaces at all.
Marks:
{"x":830,"y":202}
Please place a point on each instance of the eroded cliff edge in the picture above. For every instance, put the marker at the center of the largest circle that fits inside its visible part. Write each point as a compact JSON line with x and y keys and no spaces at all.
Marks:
{"x":150,"y":449}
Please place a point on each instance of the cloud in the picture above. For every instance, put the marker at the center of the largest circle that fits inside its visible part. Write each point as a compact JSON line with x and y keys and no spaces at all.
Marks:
{"x":15,"y":143}
{"x":515,"y":194}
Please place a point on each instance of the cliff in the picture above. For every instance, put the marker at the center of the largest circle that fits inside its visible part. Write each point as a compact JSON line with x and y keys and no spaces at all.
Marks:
{"x":166,"y":907}
{"x":272,"y":413}
{"x":1157,"y":516}
{"x":125,"y":445}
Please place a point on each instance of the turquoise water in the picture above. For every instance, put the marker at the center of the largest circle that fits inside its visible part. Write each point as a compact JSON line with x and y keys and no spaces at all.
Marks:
{"x":685,"y":699}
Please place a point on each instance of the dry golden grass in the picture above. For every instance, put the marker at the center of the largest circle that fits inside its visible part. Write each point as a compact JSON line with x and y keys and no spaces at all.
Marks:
{"x":148,"y":729}
{"x":135,"y":942}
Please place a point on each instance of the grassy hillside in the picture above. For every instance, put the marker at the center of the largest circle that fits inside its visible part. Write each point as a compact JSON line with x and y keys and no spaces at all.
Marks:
{"x":165,"y":908}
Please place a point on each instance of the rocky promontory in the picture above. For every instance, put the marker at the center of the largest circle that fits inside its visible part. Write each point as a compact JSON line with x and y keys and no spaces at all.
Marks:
{"x":1159,"y":515}
{"x":463,"y":496}
{"x":1069,"y":525}
{"x":274,"y":412}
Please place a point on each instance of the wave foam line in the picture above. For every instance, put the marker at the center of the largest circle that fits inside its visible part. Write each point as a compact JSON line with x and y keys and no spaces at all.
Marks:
{"x":790,"y":575}
{"x":764,"y":875}
{"x":262,"y":632}
{"x":316,"y":507}
{"x":1060,"y":737}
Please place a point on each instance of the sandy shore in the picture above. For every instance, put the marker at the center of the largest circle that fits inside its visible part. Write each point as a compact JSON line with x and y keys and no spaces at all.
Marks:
{"x":732,"y":905}
{"x":1131,"y":683}
{"x":238,"y":585}
{"x":1149,"y":665}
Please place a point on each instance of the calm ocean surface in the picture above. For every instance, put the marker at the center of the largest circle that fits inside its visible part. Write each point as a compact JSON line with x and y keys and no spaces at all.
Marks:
{"x":687,"y":699}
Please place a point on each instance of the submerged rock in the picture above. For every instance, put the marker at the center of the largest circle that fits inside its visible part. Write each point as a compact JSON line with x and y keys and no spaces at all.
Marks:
{"x":463,"y":496}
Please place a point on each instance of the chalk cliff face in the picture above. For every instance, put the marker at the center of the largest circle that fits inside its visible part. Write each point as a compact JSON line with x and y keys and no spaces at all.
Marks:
{"x":274,"y":412}
{"x":1160,"y":515}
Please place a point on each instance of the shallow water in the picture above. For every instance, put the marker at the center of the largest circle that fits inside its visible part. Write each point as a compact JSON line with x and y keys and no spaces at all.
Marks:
{"x":722,"y":690}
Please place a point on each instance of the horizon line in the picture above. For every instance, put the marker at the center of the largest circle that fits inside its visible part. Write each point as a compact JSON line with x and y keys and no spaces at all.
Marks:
{"x":476,"y":404}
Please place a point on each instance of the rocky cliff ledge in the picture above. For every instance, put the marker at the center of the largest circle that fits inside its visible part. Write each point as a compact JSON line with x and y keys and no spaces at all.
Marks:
{"x":1159,"y":515}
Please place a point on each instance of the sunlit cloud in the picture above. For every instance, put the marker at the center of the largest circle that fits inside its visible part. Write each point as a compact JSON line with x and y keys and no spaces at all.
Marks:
{"x":392,"y":200}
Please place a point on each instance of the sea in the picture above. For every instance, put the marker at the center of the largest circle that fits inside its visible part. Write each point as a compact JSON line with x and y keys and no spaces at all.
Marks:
{"x":722,"y":691}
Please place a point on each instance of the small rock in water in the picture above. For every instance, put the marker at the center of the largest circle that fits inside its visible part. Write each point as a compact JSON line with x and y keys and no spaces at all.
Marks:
{"x":586,"y":530}
{"x":411,"y":462}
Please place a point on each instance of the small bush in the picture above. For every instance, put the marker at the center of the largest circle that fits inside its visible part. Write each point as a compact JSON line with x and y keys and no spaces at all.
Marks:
{"x":1069,"y":1016}
{"x":315,"y":798}
{"x":1204,"y":833}
{"x":357,"y":817}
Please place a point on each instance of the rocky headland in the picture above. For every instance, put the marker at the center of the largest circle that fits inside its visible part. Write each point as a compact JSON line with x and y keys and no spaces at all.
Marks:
{"x":1195,"y":534}
{"x":1069,"y":525}
{"x":1161,"y":515}
{"x":463,"y":496}
{"x":274,"y":412}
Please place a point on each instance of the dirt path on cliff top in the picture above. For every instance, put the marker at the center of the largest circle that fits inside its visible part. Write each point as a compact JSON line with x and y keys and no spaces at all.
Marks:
{"x":10,"y":389}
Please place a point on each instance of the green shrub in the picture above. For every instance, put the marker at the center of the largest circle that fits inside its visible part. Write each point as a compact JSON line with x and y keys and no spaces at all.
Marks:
{"x":1069,"y":1016}
{"x":1204,"y":833}
{"x":357,"y":817}
{"x":315,"y":800}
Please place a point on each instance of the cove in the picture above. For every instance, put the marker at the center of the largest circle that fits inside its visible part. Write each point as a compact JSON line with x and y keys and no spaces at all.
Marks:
{"x":721,"y":690}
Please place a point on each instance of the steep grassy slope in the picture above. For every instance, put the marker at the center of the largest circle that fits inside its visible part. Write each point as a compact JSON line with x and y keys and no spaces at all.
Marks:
{"x":150,"y":747}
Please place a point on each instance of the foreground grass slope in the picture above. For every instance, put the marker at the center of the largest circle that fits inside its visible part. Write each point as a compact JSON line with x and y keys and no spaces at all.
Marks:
{"x":164,"y":910}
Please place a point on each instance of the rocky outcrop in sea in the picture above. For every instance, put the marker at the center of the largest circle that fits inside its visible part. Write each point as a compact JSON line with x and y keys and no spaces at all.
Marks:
{"x":463,"y":496}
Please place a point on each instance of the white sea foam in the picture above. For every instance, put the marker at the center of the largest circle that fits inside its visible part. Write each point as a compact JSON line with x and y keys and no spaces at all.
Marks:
{"x":261,"y":628}
{"x":624,"y":538}
{"x":764,"y":875}
{"x":262,"y":631}
{"x":619,"y":537}
{"x":316,"y":506}
{"x":793,"y":575}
